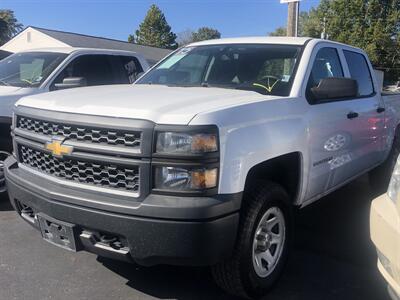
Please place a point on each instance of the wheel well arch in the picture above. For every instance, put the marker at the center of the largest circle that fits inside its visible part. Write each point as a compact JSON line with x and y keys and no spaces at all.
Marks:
{"x":284,"y":170}
{"x":397,"y":130}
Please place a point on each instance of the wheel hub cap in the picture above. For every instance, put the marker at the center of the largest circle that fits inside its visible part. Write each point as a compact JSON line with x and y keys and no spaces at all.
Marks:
{"x":268,"y":241}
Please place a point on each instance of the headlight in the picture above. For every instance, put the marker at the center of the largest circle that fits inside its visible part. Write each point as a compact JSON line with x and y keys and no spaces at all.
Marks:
{"x":186,"y":143}
{"x":185,"y":159}
{"x":185,"y":179}
{"x":394,"y":185}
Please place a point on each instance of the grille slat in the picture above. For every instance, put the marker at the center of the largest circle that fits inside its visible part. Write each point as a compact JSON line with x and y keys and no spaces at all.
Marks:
{"x":96,"y":135}
{"x":102,"y":174}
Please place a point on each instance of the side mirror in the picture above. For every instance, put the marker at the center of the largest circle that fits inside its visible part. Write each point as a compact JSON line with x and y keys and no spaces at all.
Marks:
{"x":71,"y":82}
{"x":335,"y":88}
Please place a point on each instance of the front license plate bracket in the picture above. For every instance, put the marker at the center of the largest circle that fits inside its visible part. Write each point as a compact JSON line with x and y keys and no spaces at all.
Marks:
{"x":59,"y":233}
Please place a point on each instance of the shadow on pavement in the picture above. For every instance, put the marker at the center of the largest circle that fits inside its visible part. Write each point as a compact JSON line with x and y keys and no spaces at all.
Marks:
{"x":333,"y":258}
{"x":167,"y":282}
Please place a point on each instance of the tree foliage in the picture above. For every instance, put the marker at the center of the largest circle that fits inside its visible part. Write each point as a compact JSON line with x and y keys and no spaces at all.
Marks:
{"x":9,"y":25}
{"x":373,"y":25}
{"x":202,"y":34}
{"x":280,"y":31}
{"x":185,"y":37}
{"x":154,"y":31}
{"x":205,"y":33}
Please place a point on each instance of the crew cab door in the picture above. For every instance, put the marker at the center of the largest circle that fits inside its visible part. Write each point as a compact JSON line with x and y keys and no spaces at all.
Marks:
{"x":344,"y":134}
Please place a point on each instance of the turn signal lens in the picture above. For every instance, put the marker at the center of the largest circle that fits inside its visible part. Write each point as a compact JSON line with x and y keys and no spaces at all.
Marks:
{"x":204,"y":179}
{"x":204,"y":143}
{"x":394,"y":185}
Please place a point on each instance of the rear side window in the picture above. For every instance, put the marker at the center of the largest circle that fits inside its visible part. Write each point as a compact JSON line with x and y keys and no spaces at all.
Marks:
{"x":131,"y":68}
{"x":326,"y":65}
{"x":359,"y":70}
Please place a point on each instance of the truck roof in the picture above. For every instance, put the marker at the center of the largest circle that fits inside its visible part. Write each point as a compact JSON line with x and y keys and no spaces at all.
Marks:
{"x":299,"y":41}
{"x":69,"y":50}
{"x":256,"y":40}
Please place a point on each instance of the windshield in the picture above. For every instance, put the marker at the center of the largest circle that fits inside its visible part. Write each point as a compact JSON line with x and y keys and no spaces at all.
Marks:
{"x":266,"y":69}
{"x":28,"y":69}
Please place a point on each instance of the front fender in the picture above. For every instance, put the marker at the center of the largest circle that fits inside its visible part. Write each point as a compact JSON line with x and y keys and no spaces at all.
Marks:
{"x":253,"y":133}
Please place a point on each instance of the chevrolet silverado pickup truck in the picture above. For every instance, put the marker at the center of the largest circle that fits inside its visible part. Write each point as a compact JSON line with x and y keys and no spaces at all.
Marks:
{"x":204,"y":159}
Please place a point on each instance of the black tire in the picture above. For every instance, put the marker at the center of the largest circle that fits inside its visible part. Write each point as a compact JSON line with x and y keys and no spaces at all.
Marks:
{"x":237,"y":275}
{"x":2,"y":179}
{"x":379,"y":177}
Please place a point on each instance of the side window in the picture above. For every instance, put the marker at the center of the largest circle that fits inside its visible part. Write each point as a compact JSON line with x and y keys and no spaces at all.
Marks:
{"x":96,"y":69}
{"x":359,"y":71}
{"x":131,"y":68}
{"x":326,"y":65}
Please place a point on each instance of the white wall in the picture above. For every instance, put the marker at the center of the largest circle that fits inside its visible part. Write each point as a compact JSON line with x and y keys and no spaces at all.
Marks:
{"x":31,"y":38}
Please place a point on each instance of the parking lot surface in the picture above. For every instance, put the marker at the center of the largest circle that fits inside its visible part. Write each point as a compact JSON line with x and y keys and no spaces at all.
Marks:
{"x":333,"y":259}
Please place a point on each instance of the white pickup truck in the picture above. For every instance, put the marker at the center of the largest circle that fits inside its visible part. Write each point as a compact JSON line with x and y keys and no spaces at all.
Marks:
{"x":39,"y":71}
{"x":204,"y":159}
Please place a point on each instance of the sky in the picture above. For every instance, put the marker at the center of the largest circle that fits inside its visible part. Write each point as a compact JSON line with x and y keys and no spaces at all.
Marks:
{"x":118,"y":18}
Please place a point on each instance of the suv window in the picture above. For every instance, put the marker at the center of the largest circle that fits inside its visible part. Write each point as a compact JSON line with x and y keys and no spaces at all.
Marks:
{"x":326,"y":65}
{"x":359,"y":70}
{"x":128,"y":68}
{"x":96,"y":69}
{"x":29,"y":69}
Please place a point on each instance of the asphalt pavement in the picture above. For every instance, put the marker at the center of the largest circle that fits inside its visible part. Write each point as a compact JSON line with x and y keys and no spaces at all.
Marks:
{"x":333,"y":258}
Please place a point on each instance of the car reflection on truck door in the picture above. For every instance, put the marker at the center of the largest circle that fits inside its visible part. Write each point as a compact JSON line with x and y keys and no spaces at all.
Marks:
{"x":367,"y":128}
{"x":343,"y":133}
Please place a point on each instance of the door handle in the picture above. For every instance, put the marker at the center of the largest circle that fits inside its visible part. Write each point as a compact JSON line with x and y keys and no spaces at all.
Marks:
{"x":352,"y":115}
{"x":380,"y":110}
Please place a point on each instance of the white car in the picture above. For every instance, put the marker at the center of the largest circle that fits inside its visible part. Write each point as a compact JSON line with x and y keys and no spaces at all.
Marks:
{"x":385,"y":232}
{"x":203,"y":160}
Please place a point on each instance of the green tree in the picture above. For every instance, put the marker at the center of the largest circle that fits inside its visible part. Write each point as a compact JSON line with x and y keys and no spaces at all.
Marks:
{"x":154,"y":31}
{"x":9,"y":25}
{"x":373,"y":25}
{"x":205,"y":33}
{"x":280,"y":31}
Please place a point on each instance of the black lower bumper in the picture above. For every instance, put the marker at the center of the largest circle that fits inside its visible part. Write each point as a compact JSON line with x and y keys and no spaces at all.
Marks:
{"x":145,"y":240}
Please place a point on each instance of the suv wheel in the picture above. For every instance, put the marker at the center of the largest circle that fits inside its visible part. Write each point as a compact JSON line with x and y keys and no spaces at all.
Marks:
{"x":263,"y":243}
{"x":3,"y":156}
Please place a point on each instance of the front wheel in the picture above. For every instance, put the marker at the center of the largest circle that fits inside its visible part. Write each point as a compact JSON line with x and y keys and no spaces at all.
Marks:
{"x":263,"y":243}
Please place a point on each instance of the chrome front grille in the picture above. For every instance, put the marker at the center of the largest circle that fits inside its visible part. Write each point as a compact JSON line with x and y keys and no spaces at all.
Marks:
{"x":97,"y":135}
{"x":101,"y":174}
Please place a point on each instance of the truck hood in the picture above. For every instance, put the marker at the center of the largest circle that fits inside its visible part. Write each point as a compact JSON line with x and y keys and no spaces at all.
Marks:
{"x":160,"y":104}
{"x":8,"y":90}
{"x":11,"y":94}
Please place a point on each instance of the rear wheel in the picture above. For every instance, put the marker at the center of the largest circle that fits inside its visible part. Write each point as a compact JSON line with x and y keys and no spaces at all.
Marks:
{"x":263,"y":243}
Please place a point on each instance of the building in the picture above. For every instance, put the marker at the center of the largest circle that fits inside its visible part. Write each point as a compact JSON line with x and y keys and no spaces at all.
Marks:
{"x":35,"y":37}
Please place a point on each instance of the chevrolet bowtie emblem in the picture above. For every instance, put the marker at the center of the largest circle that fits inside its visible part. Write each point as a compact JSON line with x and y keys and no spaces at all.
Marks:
{"x":58,"y":149}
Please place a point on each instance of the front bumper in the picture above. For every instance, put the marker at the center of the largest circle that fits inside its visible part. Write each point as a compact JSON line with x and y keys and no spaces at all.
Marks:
{"x":158,"y":230}
{"x":385,"y":234}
